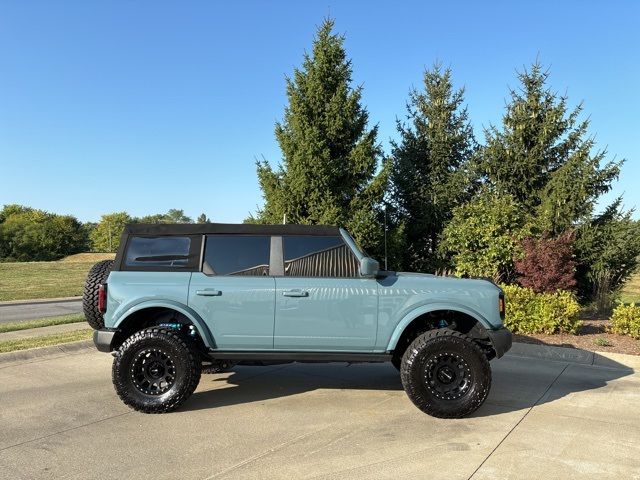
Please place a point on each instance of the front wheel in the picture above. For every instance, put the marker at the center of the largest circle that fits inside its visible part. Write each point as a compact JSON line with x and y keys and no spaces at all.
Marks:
{"x":155,"y":371}
{"x":445,"y":374}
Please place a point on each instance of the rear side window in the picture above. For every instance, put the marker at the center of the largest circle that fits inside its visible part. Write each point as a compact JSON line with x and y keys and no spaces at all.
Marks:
{"x":158,"y":252}
{"x":237,"y":255}
{"x":307,"y":256}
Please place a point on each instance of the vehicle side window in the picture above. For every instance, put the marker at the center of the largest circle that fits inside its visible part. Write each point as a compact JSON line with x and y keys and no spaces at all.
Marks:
{"x":237,"y":255}
{"x":166,"y":251}
{"x":318,"y":256}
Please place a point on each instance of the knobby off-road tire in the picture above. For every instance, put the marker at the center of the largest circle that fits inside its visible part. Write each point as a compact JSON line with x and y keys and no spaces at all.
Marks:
{"x":155,"y":371}
{"x":445,"y":374}
{"x":97,"y":275}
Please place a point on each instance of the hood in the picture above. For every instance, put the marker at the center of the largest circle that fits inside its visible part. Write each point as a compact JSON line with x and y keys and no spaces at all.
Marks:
{"x":431,"y":281}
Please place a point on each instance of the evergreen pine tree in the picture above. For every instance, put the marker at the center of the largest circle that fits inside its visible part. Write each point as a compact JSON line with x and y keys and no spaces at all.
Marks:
{"x":430,"y":173}
{"x":543,"y":157}
{"x":329,"y":170}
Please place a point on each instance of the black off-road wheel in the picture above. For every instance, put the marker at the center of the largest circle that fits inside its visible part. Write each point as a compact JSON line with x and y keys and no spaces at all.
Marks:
{"x":445,"y":374}
{"x":155,"y":371}
{"x":97,"y":276}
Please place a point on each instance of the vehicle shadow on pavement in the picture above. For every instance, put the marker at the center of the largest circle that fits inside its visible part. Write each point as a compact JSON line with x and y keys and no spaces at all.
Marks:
{"x":518,"y":382}
{"x":254,"y":384}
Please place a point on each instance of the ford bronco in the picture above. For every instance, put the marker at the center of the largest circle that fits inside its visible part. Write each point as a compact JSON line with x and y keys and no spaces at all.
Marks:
{"x":180,"y":298}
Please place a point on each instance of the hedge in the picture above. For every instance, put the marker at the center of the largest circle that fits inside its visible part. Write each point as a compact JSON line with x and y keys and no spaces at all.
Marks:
{"x":530,"y":312}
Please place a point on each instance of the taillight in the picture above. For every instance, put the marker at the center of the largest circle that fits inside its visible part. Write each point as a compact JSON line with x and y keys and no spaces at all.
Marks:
{"x":501,"y":305}
{"x":102,"y":298}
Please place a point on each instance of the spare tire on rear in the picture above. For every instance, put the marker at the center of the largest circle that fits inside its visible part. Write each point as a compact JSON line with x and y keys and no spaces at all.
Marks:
{"x":97,"y":276}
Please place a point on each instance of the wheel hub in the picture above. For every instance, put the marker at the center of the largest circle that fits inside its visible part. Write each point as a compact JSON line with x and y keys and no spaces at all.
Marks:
{"x":447,"y":376}
{"x":153,"y":371}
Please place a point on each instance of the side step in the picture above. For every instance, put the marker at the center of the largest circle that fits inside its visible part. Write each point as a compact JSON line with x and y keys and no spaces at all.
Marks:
{"x":301,"y":356}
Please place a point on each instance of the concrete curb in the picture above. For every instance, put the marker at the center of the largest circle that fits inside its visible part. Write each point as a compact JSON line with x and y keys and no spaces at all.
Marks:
{"x":551,"y":352}
{"x":54,"y":350}
{"x":37,"y":301}
{"x":575,"y":355}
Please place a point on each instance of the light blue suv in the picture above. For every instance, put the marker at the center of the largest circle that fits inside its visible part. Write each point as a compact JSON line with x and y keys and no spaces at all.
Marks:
{"x":178,"y":297}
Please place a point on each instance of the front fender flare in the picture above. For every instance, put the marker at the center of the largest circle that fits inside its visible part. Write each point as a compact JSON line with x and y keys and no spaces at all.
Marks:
{"x":188,"y":312}
{"x":432,"y":307}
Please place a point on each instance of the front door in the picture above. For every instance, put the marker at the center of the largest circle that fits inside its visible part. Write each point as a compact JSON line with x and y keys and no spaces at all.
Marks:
{"x":234,"y":292}
{"x":321,"y":302}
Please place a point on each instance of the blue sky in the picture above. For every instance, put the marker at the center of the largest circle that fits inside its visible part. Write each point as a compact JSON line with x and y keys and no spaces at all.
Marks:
{"x":145,"y":106}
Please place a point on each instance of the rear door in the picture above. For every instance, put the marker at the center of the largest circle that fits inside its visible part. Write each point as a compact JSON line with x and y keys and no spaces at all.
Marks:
{"x":321,"y":301}
{"x":234,"y":292}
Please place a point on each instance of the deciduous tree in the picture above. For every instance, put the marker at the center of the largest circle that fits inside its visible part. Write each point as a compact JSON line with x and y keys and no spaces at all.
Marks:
{"x":547,"y":264}
{"x":172,"y":216}
{"x":484,"y":235}
{"x":27,"y":234}
{"x":105,"y":237}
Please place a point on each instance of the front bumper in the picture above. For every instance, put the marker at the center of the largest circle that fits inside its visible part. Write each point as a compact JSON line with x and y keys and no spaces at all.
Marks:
{"x":501,"y":340}
{"x":103,"y":339}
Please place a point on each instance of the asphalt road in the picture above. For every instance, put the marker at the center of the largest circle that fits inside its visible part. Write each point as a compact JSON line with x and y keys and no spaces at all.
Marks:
{"x":60,"y":418}
{"x":28,"y":311}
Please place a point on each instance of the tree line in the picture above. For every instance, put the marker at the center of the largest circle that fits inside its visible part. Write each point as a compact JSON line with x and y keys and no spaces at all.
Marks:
{"x":28,"y":234}
{"x":518,"y":206}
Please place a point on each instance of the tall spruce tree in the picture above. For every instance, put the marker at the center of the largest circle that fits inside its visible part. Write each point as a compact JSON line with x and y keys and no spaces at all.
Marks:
{"x":431,"y":174}
{"x":329,"y":172}
{"x":543,"y":157}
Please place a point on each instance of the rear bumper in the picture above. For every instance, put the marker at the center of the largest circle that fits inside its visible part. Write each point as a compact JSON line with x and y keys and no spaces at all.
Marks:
{"x":103,"y":339}
{"x":501,"y":340}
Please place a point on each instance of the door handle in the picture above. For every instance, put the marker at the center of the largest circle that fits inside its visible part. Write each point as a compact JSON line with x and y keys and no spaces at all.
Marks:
{"x":295,"y":293}
{"x":209,"y":292}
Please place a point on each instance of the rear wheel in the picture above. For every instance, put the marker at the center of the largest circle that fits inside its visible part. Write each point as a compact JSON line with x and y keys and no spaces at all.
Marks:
{"x":445,"y":374}
{"x":155,"y":371}
{"x":96,"y":277}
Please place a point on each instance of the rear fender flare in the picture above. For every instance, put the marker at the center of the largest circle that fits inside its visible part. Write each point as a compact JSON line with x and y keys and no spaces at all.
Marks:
{"x":188,"y":312}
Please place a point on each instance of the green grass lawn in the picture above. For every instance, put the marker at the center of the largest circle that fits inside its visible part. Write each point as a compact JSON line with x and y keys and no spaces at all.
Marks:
{"x":41,"y":322}
{"x":631,"y":291}
{"x":45,"y":340}
{"x":64,"y":278}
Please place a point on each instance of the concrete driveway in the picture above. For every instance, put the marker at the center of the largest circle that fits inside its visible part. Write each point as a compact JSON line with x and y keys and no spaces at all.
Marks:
{"x":60,"y":418}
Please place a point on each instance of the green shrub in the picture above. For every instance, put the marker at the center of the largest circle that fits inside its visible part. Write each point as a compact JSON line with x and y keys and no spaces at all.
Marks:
{"x":483,"y":237}
{"x":625,"y":320}
{"x":530,"y":312}
{"x":602,"y":342}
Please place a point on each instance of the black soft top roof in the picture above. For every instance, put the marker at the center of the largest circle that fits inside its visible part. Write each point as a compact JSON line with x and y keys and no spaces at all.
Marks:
{"x":227,"y":228}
